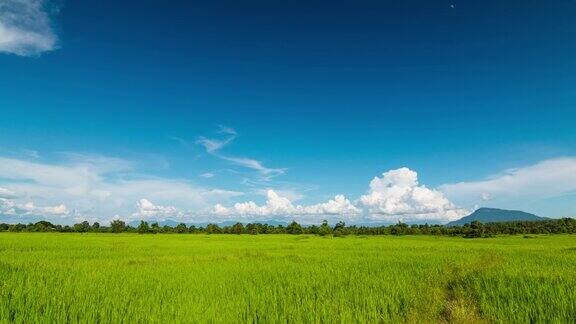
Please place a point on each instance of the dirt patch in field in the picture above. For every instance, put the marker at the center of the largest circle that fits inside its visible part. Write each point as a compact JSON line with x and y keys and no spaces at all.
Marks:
{"x":459,"y":308}
{"x":461,"y":305}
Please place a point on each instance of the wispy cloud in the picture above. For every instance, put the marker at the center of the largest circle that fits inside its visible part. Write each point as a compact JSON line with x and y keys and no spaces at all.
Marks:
{"x":207,"y":175}
{"x":214,"y":145}
{"x":25,"y":27}
{"x":254,"y":164}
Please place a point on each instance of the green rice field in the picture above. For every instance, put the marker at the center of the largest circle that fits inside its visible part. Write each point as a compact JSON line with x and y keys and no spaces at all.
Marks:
{"x":130,"y":278}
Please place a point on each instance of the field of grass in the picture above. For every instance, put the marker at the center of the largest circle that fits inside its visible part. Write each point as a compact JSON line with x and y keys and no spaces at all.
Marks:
{"x":49,"y":277}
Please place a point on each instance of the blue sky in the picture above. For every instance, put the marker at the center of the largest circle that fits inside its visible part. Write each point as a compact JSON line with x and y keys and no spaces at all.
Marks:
{"x":289,"y":109}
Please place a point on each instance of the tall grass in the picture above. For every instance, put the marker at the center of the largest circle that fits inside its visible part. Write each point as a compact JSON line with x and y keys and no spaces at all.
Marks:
{"x":281,"y":278}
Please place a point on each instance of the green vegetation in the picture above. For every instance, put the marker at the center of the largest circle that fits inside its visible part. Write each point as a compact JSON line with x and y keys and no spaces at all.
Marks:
{"x":474,"y":229}
{"x":71,"y":277}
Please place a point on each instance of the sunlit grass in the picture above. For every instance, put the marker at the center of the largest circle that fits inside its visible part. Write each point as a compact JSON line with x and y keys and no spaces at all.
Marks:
{"x":278,"y":278}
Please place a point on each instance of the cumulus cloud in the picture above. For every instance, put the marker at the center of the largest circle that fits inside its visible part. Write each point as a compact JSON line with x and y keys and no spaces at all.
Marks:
{"x":214,"y":145}
{"x":25,"y":27}
{"x":398,"y":196}
{"x":277,"y":206}
{"x":147,"y":210}
{"x":340,"y":205}
{"x":548,"y":178}
{"x":395,"y":196}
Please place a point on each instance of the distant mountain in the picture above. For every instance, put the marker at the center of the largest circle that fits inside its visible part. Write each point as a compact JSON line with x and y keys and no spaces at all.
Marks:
{"x":493,"y":215}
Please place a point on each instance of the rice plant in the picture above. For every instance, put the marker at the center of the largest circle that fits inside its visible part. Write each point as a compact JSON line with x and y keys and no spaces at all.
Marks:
{"x":107,"y":278}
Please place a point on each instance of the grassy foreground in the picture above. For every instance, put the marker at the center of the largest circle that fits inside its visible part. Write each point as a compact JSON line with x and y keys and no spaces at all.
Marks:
{"x":282,"y":278}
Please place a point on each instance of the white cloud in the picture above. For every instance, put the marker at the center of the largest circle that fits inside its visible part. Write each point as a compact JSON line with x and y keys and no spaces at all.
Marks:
{"x":254,"y":165}
{"x":7,"y":194}
{"x":147,"y":210}
{"x":398,"y":196}
{"x":214,"y":145}
{"x":207,"y":175}
{"x":277,"y":206}
{"x":395,"y":196}
{"x":292,"y":194}
{"x":96,"y":187}
{"x":545,"y":179}
{"x":227,"y":130}
{"x":59,"y":210}
{"x":9,"y":207}
{"x":340,"y":205}
{"x":25,"y":28}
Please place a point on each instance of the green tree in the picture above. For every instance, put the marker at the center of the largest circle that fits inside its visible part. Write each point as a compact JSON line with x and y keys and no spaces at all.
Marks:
{"x":238,"y":228}
{"x":324,"y":229}
{"x":339,"y":229}
{"x":117,"y":226}
{"x":44,"y":226}
{"x":213,"y":229}
{"x":95,"y":227}
{"x":155,"y":228}
{"x":294,"y":228}
{"x":252,"y":229}
{"x":82,"y":227}
{"x":143,"y":228}
{"x":476,"y":229}
{"x":181,"y":228}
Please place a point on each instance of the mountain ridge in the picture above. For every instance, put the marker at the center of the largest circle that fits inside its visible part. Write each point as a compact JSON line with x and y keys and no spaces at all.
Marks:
{"x":494,"y":215}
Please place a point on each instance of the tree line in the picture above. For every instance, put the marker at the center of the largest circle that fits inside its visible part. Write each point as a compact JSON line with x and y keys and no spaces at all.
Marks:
{"x":474,"y":229}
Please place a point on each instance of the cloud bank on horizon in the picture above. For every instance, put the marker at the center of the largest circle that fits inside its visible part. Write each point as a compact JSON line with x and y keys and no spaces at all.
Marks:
{"x":26,"y":28}
{"x":100,"y":188}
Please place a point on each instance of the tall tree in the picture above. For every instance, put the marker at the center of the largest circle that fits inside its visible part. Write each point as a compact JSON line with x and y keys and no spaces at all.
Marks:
{"x":181,"y":228}
{"x":324,"y":229}
{"x":238,"y":228}
{"x":117,"y":226}
{"x":294,"y":228}
{"x":143,"y":228}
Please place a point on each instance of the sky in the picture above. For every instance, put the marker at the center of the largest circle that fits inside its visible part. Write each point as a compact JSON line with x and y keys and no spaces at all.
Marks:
{"x":362,"y":111}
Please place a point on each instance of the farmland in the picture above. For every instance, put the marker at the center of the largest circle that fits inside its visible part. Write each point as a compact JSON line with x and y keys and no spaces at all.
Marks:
{"x":97,"y":277}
